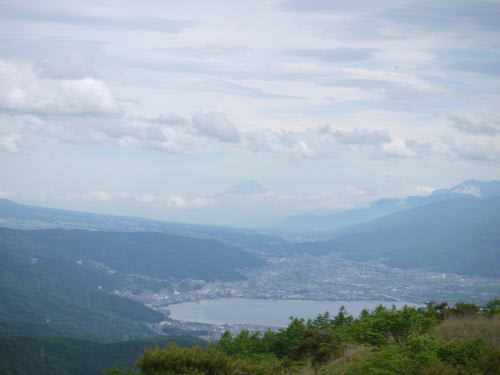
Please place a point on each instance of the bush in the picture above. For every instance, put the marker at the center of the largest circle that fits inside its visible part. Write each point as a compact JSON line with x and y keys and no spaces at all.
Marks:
{"x":383,"y":327}
{"x":195,"y":361}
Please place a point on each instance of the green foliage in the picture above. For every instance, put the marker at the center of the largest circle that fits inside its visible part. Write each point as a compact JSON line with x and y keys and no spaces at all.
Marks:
{"x":67,"y":356}
{"x":462,"y":309}
{"x":319,"y":346}
{"x":314,"y":342}
{"x":180,"y":361}
{"x":492,"y":307}
{"x":466,"y":354}
{"x":342,"y":319}
{"x":34,"y":313}
{"x":394,"y":342}
{"x":383,"y":327}
{"x":120,"y":371}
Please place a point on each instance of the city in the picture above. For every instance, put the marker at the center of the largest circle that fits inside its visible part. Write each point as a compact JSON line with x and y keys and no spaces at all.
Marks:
{"x":328,"y":277}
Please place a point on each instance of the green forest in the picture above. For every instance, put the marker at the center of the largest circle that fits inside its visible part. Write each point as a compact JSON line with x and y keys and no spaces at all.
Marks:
{"x":437,"y":339}
{"x":21,"y":355}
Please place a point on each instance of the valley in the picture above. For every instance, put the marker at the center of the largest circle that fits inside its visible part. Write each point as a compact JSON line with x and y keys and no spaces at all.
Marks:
{"x":319,"y":278}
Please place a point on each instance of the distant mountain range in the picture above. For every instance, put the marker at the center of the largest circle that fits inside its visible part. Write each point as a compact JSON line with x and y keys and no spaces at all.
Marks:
{"x":19,"y":216}
{"x":324,"y":226}
{"x":455,"y":235}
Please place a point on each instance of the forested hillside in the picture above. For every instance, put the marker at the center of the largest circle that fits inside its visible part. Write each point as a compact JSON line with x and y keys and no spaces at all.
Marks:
{"x":62,"y":283}
{"x":152,"y":254}
{"x":460,"y":235}
{"x":67,"y":356}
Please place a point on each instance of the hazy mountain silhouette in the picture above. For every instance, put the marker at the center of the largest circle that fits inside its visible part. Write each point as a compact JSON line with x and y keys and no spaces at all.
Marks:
{"x":324,"y":224}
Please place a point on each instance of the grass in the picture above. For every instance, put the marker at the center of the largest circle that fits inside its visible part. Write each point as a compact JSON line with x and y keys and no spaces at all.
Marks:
{"x":470,"y":327}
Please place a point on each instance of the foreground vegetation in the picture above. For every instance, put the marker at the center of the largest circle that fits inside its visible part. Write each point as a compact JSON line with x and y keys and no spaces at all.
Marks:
{"x":436,"y":339}
{"x":69,"y":356}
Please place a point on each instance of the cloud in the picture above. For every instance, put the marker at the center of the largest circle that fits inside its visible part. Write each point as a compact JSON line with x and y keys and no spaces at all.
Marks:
{"x":21,"y":90}
{"x":162,"y":25}
{"x":446,"y":14}
{"x":215,"y":125}
{"x":478,"y":126}
{"x":153,"y":200}
{"x":10,"y":143}
{"x":209,"y":50}
{"x":357,"y":136}
{"x":206,"y":132}
{"x":73,"y":66}
{"x":322,"y":201}
{"x":473,"y":148}
{"x":169,"y":118}
{"x":317,"y":142}
{"x":231,"y":88}
{"x":360,"y":28}
{"x":476,"y":66}
{"x":39,"y":47}
{"x":398,"y":148}
{"x":424,"y":190}
{"x":340,"y":54}
{"x":333,"y":6}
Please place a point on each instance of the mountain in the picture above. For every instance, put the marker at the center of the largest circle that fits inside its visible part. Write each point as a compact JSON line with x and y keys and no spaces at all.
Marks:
{"x":480,"y":189}
{"x":248,"y":187}
{"x":18,"y":216}
{"x":324,"y":225}
{"x":62,"y":282}
{"x":70,"y":356}
{"x":156,"y":255}
{"x":453,"y":235}
{"x":46,"y":295}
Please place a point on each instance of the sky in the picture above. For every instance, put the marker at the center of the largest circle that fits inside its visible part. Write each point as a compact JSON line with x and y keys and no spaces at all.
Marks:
{"x":155,"y":108}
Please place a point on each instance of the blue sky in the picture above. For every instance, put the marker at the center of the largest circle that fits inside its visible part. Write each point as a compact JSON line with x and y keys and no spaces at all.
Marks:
{"x":154,"y":108}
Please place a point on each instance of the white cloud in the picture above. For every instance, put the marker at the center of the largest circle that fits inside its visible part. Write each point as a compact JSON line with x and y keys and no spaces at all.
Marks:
{"x":72,"y":66}
{"x":424,"y":190}
{"x":158,"y":201}
{"x":215,"y":125}
{"x":21,"y":90}
{"x":398,"y":148}
{"x":205,"y":133}
{"x":479,"y":124}
{"x":317,"y":142}
{"x":322,"y":201}
{"x":473,"y":148}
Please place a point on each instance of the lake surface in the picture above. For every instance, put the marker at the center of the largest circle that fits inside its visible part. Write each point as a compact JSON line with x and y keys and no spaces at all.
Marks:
{"x":264,"y":312}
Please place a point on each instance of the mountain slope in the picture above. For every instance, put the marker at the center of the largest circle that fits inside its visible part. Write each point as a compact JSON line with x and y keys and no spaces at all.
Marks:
{"x":458,"y":235}
{"x":52,"y":297}
{"x":324,"y":224}
{"x":18,"y":216}
{"x":42,"y":314}
{"x":61,"y":282}
{"x":152,"y":254}
{"x":68,"y":356}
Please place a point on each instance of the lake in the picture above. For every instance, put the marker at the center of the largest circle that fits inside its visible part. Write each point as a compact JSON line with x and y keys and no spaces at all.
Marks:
{"x":264,"y":312}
